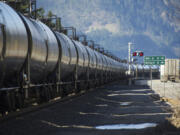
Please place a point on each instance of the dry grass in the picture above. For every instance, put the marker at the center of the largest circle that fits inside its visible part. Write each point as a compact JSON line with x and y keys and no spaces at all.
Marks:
{"x":175,"y":118}
{"x":171,"y":126}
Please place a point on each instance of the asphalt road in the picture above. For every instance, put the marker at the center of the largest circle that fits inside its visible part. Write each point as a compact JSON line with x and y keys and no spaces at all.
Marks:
{"x":102,"y":106}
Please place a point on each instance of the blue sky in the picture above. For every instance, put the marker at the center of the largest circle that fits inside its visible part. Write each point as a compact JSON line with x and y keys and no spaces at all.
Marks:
{"x":152,"y":25}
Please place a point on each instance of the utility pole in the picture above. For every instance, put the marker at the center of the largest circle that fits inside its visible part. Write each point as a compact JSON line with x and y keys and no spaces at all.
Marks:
{"x":32,"y":7}
{"x":136,"y":71}
{"x":151,"y":76}
{"x":129,"y":53}
{"x":143,"y":76}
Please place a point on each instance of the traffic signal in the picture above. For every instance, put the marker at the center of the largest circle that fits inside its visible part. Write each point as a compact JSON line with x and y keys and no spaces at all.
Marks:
{"x":134,"y":53}
{"x":140,"y":54}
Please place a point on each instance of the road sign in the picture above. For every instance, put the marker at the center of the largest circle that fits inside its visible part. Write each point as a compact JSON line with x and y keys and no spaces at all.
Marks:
{"x":154,"y":60}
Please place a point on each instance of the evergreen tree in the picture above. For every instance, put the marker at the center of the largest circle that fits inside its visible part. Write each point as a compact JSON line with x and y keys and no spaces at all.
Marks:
{"x":23,"y":6}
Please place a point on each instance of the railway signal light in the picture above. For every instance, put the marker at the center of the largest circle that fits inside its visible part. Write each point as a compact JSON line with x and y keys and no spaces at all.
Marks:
{"x":138,"y":53}
{"x":134,"y":53}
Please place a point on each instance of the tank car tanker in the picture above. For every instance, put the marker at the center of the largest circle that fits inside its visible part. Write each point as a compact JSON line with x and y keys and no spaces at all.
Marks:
{"x":38,"y":64}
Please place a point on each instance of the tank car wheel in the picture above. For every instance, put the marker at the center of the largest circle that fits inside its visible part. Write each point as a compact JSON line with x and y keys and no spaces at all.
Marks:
{"x":67,"y":89}
{"x":61,"y":92}
{"x":82,"y":86}
{"x":45,"y":95}
{"x":53,"y":91}
{"x":86,"y":85}
{"x":19,"y":100}
{"x":9,"y":101}
{"x":78,"y":88}
{"x":50,"y":92}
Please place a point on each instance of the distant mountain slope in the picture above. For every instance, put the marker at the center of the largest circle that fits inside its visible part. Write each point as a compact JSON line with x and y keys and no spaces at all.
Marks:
{"x":114,"y":23}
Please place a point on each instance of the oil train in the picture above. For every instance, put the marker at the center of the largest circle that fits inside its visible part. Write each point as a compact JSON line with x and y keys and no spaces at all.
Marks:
{"x":38,"y":64}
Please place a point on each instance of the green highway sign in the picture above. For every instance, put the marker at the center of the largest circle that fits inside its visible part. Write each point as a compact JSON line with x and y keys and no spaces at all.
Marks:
{"x":154,"y":60}
{"x":155,"y":63}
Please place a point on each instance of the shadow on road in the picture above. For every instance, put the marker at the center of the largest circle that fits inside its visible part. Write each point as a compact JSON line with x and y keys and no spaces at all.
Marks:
{"x":109,"y":105}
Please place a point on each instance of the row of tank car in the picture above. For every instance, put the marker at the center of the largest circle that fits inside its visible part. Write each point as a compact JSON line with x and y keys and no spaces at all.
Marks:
{"x":38,"y":64}
{"x":144,"y":71}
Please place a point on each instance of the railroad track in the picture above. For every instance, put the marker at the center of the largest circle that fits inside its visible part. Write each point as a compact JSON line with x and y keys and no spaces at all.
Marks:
{"x":35,"y":107}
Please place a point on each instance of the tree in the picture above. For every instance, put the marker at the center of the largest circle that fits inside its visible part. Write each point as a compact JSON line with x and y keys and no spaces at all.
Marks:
{"x":50,"y":20}
{"x":23,"y":6}
{"x":19,"y":5}
{"x":39,"y":13}
{"x":50,"y":14}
